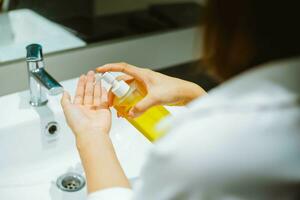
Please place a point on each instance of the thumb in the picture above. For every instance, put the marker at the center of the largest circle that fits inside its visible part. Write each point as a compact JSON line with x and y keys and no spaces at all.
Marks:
{"x":147,"y":102}
{"x":66,"y":99}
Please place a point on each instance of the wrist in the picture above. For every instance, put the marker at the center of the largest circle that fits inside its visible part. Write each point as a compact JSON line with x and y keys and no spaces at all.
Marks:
{"x":193,"y":91}
{"x":89,"y":140}
{"x":197,"y":91}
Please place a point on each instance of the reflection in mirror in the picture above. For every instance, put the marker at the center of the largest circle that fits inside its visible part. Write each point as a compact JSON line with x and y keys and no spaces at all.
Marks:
{"x":98,"y":20}
{"x":5,"y":25}
{"x":60,"y":25}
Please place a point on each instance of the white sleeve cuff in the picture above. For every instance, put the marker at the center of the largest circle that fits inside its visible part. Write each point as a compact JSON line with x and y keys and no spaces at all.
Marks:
{"x":116,"y":193}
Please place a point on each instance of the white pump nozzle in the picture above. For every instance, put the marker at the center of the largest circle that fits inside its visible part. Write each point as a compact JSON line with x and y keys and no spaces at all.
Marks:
{"x":108,"y":78}
{"x":119,"y":88}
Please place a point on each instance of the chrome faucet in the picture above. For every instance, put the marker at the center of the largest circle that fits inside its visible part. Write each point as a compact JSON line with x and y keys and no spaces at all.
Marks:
{"x":39,"y":79}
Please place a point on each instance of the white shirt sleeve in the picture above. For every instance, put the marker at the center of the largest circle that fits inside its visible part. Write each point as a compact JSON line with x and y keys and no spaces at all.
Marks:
{"x":194,"y":160}
{"x":222,"y":152}
{"x":116,"y":193}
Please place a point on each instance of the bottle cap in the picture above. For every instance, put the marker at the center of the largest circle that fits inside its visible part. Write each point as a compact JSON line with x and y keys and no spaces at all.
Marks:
{"x":108,"y":78}
{"x":119,"y":88}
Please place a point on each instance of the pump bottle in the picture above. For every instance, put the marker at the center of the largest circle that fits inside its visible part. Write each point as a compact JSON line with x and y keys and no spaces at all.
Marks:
{"x":126,"y":96}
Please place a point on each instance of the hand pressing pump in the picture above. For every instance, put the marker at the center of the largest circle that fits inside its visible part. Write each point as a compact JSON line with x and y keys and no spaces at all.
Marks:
{"x":126,"y":96}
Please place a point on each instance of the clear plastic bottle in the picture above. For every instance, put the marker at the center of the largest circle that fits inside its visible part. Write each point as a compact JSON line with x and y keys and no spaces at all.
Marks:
{"x":126,"y":97}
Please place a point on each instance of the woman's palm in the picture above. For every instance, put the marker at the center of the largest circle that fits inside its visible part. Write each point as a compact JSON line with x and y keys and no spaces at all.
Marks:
{"x":89,"y":110}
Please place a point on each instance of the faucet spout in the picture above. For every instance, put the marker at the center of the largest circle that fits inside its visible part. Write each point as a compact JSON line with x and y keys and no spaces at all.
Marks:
{"x":40,"y":80}
{"x":46,"y":80}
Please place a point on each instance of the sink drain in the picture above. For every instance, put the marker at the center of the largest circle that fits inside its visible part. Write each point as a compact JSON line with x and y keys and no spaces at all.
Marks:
{"x":70,"y":182}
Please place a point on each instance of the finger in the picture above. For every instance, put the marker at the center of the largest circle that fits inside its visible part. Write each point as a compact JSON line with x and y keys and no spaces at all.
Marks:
{"x":104,"y":99}
{"x":78,"y":99}
{"x":89,"y":89}
{"x":97,"y":93}
{"x":111,"y":98}
{"x":121,"y":67}
{"x":126,"y":78}
{"x":147,"y":102}
{"x":65,"y":102}
{"x":66,"y":99}
{"x":129,"y":79}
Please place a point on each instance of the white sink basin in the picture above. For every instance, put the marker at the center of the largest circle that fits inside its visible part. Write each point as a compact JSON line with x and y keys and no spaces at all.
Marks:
{"x":31,"y":160}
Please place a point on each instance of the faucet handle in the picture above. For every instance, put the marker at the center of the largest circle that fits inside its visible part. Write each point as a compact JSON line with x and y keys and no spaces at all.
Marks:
{"x":34,"y":52}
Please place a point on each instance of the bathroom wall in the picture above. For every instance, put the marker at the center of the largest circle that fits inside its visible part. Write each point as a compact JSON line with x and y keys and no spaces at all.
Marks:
{"x":102,"y":7}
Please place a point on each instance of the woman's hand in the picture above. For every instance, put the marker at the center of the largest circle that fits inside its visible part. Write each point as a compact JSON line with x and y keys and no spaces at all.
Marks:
{"x":90,"y":119}
{"x":160,"y":88}
{"x":88,"y":115}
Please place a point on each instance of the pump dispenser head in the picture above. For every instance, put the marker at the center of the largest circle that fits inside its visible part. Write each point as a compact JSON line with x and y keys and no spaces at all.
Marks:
{"x":119,"y":88}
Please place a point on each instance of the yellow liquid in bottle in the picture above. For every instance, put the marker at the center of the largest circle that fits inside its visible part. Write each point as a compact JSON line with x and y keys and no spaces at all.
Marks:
{"x":148,"y":121}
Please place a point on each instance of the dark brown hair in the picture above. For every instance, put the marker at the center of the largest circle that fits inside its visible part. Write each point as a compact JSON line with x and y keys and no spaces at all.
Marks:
{"x":240,"y":34}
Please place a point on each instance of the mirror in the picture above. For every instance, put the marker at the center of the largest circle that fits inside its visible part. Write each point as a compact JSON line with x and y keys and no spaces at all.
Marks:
{"x":7,"y":36}
{"x":63,"y":25}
